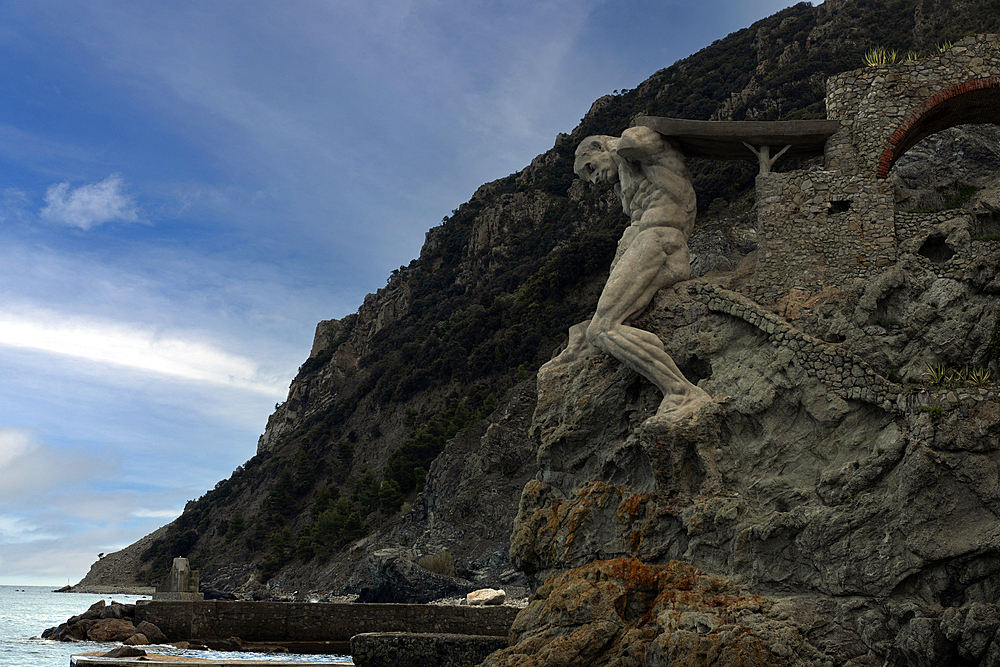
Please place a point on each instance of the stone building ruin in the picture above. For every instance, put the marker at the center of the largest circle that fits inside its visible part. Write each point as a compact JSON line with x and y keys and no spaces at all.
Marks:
{"x":823,"y":228}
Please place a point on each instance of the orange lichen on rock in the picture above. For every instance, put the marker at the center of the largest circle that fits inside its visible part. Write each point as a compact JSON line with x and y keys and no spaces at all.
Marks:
{"x":633,"y":506}
{"x":548,"y":524}
{"x":624,"y":612}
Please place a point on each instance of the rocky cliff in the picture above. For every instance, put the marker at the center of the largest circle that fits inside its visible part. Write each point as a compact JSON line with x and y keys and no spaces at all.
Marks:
{"x":866,"y":508}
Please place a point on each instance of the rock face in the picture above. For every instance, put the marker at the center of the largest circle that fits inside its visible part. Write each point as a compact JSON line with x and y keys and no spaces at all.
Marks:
{"x":624,"y":613}
{"x":398,"y":580}
{"x":813,"y":479}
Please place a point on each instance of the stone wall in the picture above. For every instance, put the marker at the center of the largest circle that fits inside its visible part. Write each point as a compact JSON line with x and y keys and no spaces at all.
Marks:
{"x":405,"y":649}
{"x":918,"y":225}
{"x":842,"y":372}
{"x":305,"y":621}
{"x":819,"y":229}
{"x":882,"y":109}
{"x":823,"y":229}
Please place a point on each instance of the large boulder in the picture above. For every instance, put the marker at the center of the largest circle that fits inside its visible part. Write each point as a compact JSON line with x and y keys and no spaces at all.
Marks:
{"x":118,"y":610}
{"x":396,"y":579}
{"x":93,"y":612}
{"x":125,"y":652}
{"x":111,"y":630}
{"x":486,"y":596}
{"x":152,"y":632}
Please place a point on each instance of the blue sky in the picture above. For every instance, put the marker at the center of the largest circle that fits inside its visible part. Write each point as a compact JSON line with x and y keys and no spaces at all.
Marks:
{"x":187,"y":188}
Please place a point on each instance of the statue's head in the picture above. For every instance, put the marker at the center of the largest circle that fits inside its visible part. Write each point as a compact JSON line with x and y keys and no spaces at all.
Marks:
{"x":595,"y":160}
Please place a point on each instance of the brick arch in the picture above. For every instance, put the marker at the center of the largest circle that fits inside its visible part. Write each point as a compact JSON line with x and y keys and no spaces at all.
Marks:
{"x":976,"y":101}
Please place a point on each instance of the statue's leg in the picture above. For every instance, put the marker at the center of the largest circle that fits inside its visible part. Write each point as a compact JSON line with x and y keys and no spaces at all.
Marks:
{"x":624,"y":243}
{"x":658,"y":257}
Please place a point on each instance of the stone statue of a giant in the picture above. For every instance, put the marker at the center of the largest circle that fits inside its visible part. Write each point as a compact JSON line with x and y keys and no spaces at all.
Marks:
{"x":654,"y":185}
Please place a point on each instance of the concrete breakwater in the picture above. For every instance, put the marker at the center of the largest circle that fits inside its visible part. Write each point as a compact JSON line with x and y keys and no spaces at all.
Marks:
{"x":213,"y":620}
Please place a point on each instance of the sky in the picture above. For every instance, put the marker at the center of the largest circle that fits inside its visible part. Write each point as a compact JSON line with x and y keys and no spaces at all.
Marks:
{"x":188,"y":187}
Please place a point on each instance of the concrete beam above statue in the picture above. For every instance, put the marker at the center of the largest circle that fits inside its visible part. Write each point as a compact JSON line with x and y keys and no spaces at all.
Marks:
{"x":728,"y":140}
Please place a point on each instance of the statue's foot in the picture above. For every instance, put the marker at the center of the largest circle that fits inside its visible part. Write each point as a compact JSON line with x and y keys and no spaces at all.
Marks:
{"x":676,"y":407}
{"x":577,"y":348}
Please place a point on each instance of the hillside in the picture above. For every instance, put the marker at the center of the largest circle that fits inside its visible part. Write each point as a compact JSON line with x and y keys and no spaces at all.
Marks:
{"x":407,"y":427}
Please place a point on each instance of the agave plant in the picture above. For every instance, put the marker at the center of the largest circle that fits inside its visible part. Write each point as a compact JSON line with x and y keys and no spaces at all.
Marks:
{"x":936,"y":374}
{"x":957,"y":378}
{"x":879,"y":55}
{"x":979,"y":377}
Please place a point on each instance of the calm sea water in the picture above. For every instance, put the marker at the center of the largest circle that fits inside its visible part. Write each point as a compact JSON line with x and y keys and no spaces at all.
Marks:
{"x":26,"y":611}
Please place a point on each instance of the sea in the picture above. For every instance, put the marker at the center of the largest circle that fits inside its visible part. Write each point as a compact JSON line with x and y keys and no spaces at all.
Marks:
{"x":27,"y":611}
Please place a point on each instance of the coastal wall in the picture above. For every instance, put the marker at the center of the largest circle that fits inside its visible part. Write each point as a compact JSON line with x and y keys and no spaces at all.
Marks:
{"x":308,"y":621}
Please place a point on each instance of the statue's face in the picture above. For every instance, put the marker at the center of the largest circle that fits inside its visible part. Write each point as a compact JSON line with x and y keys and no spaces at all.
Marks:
{"x":594,"y":162}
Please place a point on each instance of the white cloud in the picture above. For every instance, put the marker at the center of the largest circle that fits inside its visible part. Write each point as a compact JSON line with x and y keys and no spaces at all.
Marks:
{"x":134,"y":347}
{"x":14,"y":443}
{"x":31,"y":467}
{"x":14,"y":530}
{"x":168,"y":515}
{"x":90,"y":205}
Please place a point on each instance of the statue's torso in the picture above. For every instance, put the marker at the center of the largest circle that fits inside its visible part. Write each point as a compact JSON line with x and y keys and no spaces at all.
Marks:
{"x":650,"y":206}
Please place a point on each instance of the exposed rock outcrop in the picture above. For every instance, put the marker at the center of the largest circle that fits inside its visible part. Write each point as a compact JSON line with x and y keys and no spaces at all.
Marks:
{"x":624,"y":613}
{"x":813,"y":478}
{"x":399,"y":580}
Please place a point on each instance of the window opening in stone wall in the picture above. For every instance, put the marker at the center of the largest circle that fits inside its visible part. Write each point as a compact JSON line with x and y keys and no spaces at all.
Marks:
{"x":936,"y":249}
{"x":840,"y":206}
{"x":987,"y":227}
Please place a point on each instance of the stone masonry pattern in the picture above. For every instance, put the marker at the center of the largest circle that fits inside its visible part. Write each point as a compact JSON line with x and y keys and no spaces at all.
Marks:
{"x":827,"y":228}
{"x":844,"y":373}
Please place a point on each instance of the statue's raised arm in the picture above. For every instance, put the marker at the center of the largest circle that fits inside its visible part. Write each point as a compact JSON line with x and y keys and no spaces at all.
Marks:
{"x":640,"y":144}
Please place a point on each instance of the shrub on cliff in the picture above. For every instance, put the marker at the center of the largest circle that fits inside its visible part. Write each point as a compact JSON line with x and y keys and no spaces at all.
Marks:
{"x":441,"y":563}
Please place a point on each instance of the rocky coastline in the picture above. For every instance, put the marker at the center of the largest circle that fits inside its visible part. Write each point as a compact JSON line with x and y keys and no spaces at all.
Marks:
{"x":834,"y":503}
{"x":115,"y":622}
